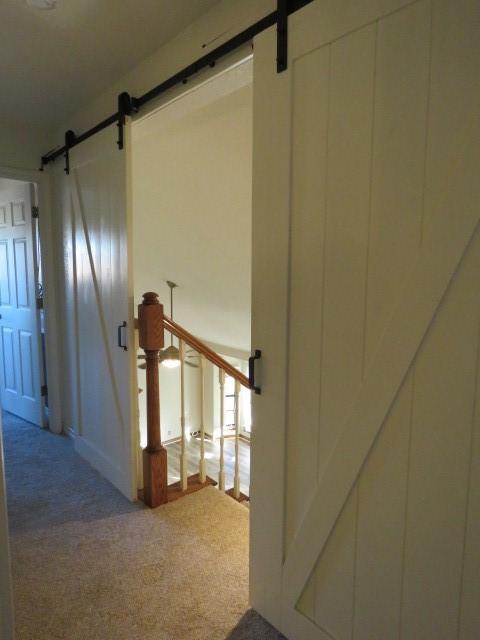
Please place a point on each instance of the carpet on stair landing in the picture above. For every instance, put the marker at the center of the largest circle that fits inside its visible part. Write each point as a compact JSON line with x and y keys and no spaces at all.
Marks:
{"x":88,"y":564}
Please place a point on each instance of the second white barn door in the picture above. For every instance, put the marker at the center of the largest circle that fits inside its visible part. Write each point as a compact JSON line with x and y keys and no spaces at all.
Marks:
{"x":366,"y":306}
{"x":97,"y":189}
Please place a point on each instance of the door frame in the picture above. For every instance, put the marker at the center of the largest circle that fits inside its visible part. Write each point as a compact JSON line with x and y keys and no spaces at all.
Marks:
{"x":235,"y":59}
{"x":52,"y":342}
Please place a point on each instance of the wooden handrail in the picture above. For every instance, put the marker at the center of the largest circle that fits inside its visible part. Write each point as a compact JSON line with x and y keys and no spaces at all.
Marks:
{"x":200,"y":347}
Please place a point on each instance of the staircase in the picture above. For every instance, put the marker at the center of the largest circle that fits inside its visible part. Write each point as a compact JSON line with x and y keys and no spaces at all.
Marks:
{"x":152,"y":324}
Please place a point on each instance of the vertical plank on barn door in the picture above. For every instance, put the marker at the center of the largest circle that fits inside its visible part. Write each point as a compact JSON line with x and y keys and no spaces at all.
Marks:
{"x":441,"y":434}
{"x":443,"y":402}
{"x":269,"y":267}
{"x":401,"y":96}
{"x":352,"y":73}
{"x":382,"y":494}
{"x":309,"y":164}
{"x":469,"y":611}
{"x":450,"y":191}
{"x":401,"y":101}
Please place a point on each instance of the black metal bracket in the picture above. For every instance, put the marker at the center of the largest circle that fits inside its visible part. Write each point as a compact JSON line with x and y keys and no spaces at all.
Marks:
{"x":282,"y":35}
{"x":69,"y":142}
{"x":126,"y":106}
{"x":257,"y":354}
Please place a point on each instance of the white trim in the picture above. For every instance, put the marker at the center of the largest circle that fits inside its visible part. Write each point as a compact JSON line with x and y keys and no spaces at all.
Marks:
{"x":52,"y":344}
{"x":103,"y":465}
{"x":7,"y":631}
{"x":136,"y":458}
{"x":70,"y":433}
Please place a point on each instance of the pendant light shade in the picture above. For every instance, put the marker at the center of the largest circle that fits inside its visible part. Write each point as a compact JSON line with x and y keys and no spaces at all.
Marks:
{"x":170,"y":357}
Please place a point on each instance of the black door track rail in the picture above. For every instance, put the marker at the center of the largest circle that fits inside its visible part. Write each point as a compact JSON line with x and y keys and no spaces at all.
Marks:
{"x":126,"y":104}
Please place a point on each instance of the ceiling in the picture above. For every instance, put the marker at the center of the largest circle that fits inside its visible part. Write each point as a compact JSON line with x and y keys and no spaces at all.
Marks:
{"x":53,"y":62}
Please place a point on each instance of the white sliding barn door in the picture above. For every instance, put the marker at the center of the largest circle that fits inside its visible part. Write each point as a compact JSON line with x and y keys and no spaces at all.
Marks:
{"x":366,"y":305}
{"x":96,"y":189}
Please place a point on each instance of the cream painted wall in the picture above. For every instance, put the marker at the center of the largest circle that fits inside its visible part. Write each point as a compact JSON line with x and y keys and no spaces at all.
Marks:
{"x":192,"y":224}
{"x":6,"y":604}
{"x":22,"y":146}
{"x":170,"y":403}
{"x":192,"y":213}
{"x":212,"y":392}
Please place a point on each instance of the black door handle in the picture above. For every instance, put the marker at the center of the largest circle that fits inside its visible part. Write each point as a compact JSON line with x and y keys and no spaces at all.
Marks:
{"x":251,"y":371}
{"x":119,"y":336}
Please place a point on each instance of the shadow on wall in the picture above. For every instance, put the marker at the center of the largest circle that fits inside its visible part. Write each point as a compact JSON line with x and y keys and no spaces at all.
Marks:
{"x":253,"y":627}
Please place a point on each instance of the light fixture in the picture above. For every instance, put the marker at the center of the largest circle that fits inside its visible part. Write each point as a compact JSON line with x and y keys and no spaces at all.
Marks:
{"x":44,"y":5}
{"x":170,"y":357}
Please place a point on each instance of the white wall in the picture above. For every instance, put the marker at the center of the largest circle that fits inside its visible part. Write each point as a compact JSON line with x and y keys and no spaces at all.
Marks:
{"x":6,"y":604}
{"x":170,"y":403}
{"x":192,"y":175}
{"x":21,"y":146}
{"x":212,"y":390}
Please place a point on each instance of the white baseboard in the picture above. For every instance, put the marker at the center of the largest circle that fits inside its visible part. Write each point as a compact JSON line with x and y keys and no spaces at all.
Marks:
{"x":104,"y":466}
{"x":70,"y":433}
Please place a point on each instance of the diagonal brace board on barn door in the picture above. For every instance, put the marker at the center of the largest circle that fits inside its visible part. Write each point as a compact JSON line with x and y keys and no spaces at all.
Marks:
{"x":78,"y":206}
{"x":414,"y":313}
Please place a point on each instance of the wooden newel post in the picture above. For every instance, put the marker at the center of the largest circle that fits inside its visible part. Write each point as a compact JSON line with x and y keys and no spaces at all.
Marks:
{"x":155,"y":470}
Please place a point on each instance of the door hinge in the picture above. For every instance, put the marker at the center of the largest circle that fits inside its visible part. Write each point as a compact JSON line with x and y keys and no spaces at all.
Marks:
{"x":44,"y":390}
{"x":39,"y":303}
{"x":35,"y":212}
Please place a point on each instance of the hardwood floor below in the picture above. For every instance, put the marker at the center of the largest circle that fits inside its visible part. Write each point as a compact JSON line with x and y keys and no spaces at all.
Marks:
{"x":212,"y":453}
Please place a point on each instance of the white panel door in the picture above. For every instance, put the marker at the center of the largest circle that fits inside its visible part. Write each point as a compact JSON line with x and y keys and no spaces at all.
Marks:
{"x":97,"y":187}
{"x":366,"y":306}
{"x":20,"y":377}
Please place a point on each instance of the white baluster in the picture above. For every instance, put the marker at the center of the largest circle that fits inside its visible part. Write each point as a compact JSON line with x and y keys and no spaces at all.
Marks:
{"x":236,"y":480}
{"x":183,"y":452}
{"x":202,"y":471}
{"x":221,"y":474}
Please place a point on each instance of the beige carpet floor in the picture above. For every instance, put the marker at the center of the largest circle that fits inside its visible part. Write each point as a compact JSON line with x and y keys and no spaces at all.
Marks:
{"x":89,"y":565}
